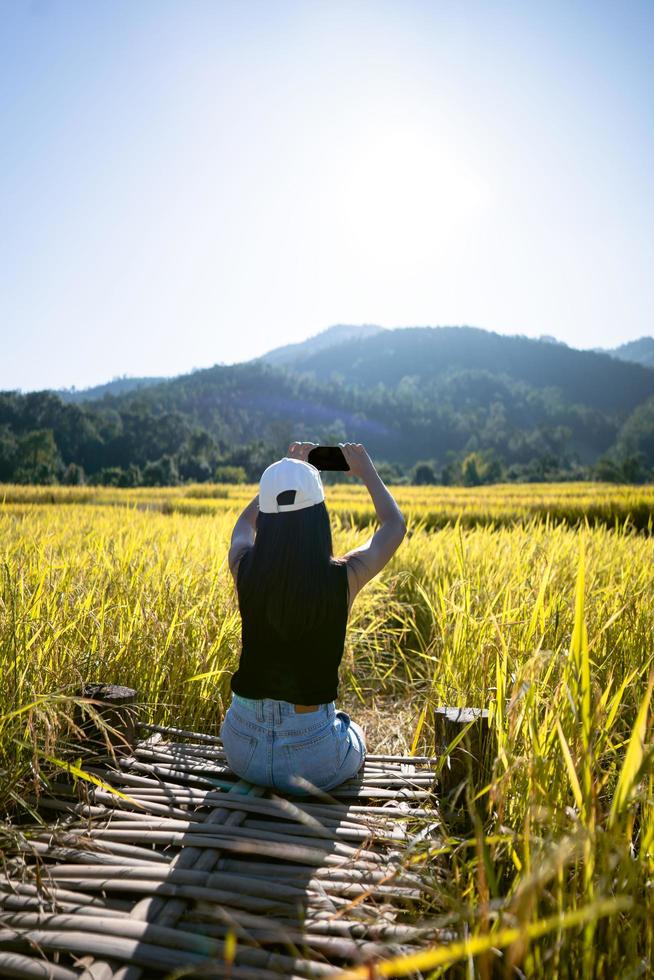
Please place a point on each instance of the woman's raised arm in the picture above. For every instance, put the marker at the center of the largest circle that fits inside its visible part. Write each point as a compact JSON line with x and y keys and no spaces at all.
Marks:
{"x":369,"y":559}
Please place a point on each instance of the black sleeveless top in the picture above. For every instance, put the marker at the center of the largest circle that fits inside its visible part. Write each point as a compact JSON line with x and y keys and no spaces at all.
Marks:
{"x":303,"y":671}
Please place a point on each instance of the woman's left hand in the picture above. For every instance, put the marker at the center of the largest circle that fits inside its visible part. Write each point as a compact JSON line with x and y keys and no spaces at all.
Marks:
{"x":301,"y":450}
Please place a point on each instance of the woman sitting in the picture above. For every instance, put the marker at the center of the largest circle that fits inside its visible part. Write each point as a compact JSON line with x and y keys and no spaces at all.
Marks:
{"x":282,"y":728}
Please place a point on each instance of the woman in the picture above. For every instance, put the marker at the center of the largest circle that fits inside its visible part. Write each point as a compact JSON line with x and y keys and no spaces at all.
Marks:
{"x":282,"y":728}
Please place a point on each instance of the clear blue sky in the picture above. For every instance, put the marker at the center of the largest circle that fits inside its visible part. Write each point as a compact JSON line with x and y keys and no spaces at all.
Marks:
{"x":185,"y":182}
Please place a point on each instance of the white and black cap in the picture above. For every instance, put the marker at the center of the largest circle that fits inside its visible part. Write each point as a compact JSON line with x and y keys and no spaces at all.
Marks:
{"x":293,"y":481}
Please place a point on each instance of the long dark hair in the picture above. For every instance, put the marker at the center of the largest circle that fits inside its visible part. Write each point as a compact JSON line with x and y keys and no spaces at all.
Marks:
{"x":285,"y":579}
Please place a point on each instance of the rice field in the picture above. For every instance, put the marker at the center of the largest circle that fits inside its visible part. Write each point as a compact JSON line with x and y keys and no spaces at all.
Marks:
{"x":430,"y":507}
{"x":536,"y":602}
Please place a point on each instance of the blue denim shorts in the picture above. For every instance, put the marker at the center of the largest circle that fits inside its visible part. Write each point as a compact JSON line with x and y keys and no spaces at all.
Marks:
{"x":271,"y":744}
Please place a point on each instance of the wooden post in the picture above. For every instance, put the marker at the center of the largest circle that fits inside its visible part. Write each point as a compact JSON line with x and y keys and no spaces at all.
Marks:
{"x":471,"y":758}
{"x":117,"y":708}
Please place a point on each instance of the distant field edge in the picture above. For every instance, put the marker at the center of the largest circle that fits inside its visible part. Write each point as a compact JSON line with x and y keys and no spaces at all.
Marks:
{"x":428,"y":508}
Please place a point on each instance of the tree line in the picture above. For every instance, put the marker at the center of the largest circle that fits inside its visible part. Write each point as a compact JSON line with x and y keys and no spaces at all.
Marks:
{"x":228,"y":423}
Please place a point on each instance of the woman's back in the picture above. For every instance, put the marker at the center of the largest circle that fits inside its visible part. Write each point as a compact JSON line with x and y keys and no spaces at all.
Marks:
{"x":301,"y":667}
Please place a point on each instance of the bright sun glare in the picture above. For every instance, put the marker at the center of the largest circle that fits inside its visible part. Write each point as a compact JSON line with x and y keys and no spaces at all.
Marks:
{"x":404,"y":188}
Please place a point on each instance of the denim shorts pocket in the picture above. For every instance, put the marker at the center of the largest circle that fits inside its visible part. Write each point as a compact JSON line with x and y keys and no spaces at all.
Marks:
{"x":315,"y":759}
{"x":239,"y":749}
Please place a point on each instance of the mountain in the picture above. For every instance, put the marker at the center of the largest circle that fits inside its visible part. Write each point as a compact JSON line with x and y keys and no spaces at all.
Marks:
{"x":414,"y":392}
{"x":429,"y":353}
{"x":288,"y":354}
{"x":294,"y":354}
{"x":118,"y":386}
{"x":409,"y":394}
{"x":637,"y":351}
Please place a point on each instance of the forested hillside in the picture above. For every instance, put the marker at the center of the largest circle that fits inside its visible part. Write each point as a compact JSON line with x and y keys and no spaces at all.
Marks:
{"x":119,"y":386}
{"x":293,"y":354}
{"x":429,"y":354}
{"x":450,"y":404}
{"x":638,"y":351}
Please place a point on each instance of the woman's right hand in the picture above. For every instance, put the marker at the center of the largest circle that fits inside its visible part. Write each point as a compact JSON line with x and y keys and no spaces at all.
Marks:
{"x":357,"y":459}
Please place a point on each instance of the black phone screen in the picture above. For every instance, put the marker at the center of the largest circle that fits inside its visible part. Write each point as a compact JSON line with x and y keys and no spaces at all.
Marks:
{"x":328,"y":458}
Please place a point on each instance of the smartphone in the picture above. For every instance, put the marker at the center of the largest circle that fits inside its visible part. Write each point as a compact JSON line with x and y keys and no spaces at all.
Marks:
{"x":328,"y":458}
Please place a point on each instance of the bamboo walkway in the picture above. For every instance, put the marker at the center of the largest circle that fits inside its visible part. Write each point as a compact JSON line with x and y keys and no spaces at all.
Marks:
{"x":195,"y":872}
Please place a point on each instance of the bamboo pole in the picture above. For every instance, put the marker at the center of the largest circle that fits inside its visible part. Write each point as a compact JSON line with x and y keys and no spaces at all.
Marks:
{"x":167,"y":913}
{"x":179,"y":763}
{"x":90,"y":878}
{"x":26,"y":903}
{"x":177,"y":831}
{"x":231,"y":899}
{"x":379,"y":793}
{"x":47,"y":889}
{"x":205,"y":751}
{"x":289,"y":852}
{"x":407,"y":759}
{"x":196,"y":736}
{"x":57,"y":897}
{"x":210,"y":796}
{"x":180,"y":775}
{"x":243,"y":828}
{"x":182,"y":762}
{"x":129,"y":811}
{"x":171,"y":775}
{"x":215,"y":740}
{"x":126,"y":821}
{"x":53,"y":851}
{"x":382,"y":779}
{"x":16,"y":965}
{"x":274,"y":845}
{"x":149,"y":806}
{"x":342,"y":946}
{"x":174,"y":876}
{"x":87,"y":838}
{"x":147,"y":955}
{"x":193,"y":942}
{"x":350,"y":928}
{"x":347,"y":832}
{"x":126,"y":928}
{"x":330,"y":813}
{"x":262,"y":869}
